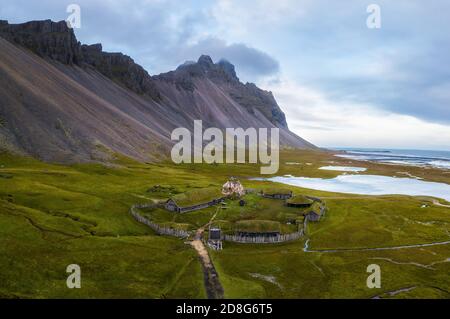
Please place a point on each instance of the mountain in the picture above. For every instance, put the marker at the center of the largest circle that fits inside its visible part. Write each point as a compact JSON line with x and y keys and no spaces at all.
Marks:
{"x":67,"y":102}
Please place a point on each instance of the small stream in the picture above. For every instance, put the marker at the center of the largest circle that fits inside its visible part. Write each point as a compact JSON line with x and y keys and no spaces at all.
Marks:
{"x":395,"y":292}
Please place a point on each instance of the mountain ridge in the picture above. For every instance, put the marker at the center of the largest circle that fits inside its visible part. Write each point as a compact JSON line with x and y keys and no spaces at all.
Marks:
{"x":121,"y":107}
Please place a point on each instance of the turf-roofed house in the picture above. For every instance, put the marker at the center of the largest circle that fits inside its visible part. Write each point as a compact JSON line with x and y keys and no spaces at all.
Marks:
{"x":316,"y":212}
{"x":277,"y":193}
{"x":195,"y":199}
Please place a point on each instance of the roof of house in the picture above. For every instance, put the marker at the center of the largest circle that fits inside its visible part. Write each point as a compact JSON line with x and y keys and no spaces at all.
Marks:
{"x":300,"y":199}
{"x":316,"y":208}
{"x":197,"y":196}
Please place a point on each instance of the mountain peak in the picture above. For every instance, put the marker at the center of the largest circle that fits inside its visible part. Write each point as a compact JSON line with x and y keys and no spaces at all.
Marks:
{"x":205,"y":61}
{"x":204,"y":67}
{"x":228,"y":68}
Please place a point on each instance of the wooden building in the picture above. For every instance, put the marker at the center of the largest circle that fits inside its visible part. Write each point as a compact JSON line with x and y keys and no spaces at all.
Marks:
{"x":194,"y":200}
{"x":312,"y":216}
{"x":173,"y":206}
{"x":277,"y":193}
{"x":257,"y":234}
{"x":316,"y":212}
{"x":215,"y":238}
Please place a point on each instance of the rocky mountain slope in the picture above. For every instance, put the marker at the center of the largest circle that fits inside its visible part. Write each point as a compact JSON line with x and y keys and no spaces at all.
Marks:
{"x":67,"y":102}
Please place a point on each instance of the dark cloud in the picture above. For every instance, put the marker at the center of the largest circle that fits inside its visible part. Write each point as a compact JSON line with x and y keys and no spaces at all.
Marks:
{"x":401,"y":67}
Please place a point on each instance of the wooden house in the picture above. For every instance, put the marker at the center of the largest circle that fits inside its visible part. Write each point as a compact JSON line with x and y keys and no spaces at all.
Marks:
{"x":312,"y":216}
{"x":257,"y":234}
{"x":315,"y":213}
{"x":277,"y":193}
{"x":194,"y":200}
{"x":215,"y":238}
{"x":215,"y":233}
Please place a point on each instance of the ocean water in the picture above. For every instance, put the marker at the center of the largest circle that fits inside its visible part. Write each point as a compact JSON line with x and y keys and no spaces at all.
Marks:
{"x":368,"y":185}
{"x":423,"y":158}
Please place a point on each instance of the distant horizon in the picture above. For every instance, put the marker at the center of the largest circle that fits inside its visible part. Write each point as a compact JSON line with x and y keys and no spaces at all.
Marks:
{"x":385,"y":148}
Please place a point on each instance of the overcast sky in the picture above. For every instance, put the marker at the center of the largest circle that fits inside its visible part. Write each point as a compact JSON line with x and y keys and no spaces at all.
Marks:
{"x":340,"y":83}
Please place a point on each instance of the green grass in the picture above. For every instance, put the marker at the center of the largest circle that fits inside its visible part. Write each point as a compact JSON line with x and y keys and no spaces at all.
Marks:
{"x":257,"y":226}
{"x":52,"y":216}
{"x":187,"y":221}
{"x":55,"y":215}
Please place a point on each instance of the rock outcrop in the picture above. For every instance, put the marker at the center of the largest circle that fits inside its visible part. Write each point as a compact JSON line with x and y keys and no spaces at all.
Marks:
{"x":119,"y":68}
{"x":46,"y":38}
{"x":56,"y":41}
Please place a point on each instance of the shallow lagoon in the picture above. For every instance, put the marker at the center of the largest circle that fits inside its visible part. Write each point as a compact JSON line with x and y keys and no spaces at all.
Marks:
{"x":368,"y":185}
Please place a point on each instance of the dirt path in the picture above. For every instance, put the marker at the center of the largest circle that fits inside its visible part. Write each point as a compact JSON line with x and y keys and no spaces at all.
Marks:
{"x":339,"y":250}
{"x":429,"y":266}
{"x":437,"y":203}
{"x":214,"y":289}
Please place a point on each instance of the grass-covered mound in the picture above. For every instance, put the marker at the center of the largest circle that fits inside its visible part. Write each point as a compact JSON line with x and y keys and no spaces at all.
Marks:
{"x":300,"y":200}
{"x":197,"y":196}
{"x":316,"y":207}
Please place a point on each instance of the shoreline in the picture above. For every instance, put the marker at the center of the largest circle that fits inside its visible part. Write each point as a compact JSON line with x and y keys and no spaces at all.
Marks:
{"x":393,"y":159}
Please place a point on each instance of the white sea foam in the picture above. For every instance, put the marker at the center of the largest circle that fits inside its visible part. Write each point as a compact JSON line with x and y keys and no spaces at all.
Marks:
{"x":440,"y":164}
{"x":343,"y":168}
{"x":426,"y":159}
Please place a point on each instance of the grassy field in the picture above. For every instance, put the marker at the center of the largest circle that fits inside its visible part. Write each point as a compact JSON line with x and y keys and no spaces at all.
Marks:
{"x":54,"y":215}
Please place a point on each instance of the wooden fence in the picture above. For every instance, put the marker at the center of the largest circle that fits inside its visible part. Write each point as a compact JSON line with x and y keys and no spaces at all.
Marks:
{"x":263,"y":239}
{"x":158,"y":229}
{"x":279,"y":238}
{"x":232,"y":238}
